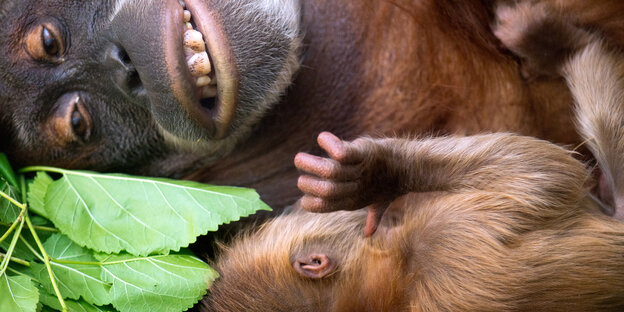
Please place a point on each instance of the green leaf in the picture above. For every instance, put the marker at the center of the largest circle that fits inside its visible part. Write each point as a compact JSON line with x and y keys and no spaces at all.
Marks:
{"x":8,"y":211}
{"x":156,"y":283}
{"x":37,"y":190}
{"x":74,"y":280}
{"x":17,"y":294}
{"x":159,"y":283}
{"x":37,"y":220}
{"x":114,"y":213}
{"x":6,"y":171}
{"x":20,"y":251}
{"x":73,"y":306}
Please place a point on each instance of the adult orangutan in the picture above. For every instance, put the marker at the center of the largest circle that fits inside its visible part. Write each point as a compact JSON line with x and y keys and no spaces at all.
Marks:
{"x":147,"y":87}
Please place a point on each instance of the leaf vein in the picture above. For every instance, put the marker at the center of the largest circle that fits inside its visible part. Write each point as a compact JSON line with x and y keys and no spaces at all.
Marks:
{"x":128,"y":212}
{"x":93,"y":220}
{"x":169,"y":204}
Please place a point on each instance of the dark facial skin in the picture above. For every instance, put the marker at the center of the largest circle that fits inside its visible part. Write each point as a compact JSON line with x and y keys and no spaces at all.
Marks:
{"x":82,"y":105}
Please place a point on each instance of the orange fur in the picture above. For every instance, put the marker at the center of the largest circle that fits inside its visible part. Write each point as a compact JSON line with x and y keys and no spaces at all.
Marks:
{"x":500,"y":222}
{"x":508,"y":229}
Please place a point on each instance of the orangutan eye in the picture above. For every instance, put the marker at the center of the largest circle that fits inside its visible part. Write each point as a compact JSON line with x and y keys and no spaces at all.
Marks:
{"x":50,"y":43}
{"x":70,"y":122}
{"x":45,"y":43}
{"x":79,"y":125}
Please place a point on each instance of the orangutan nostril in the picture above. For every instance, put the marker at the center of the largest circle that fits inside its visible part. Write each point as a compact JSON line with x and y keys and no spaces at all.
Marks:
{"x":128,"y":78}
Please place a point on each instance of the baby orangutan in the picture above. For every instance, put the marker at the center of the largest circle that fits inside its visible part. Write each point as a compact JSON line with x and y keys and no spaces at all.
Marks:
{"x":500,"y":223}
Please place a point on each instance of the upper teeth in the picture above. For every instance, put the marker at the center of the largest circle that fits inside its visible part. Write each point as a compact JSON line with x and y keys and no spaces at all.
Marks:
{"x":194,"y":41}
{"x":199,"y":64}
{"x":197,"y":58}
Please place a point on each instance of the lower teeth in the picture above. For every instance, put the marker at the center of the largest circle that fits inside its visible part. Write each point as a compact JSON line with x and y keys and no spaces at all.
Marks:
{"x":203,"y":81}
{"x":209,"y":92}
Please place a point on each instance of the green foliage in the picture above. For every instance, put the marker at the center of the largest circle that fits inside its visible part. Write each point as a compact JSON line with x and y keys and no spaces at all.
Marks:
{"x":17,"y":293}
{"x":96,"y":242}
{"x":6,"y":172}
{"x":8,"y":211}
{"x":24,"y":245}
{"x":51,"y":303}
{"x":75,"y":280}
{"x":37,"y":191}
{"x":115,"y":213}
{"x":9,"y":187}
{"x":157,"y":283}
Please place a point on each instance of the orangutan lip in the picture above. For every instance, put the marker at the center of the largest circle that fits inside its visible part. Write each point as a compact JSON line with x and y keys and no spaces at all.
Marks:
{"x":222,"y":103}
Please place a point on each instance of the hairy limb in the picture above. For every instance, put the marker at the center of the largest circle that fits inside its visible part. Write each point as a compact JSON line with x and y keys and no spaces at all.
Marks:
{"x":369,"y":172}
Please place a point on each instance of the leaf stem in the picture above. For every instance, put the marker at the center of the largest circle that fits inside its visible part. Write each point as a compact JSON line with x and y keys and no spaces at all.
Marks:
{"x":5,"y":261}
{"x":13,"y":201}
{"x":13,"y":226}
{"x":42,"y":168}
{"x":19,"y":223}
{"x":30,"y":247}
{"x":37,"y":227}
{"x":22,"y":274}
{"x":59,"y":261}
{"x":102,"y":263}
{"x":16,"y":260}
{"x":46,"y":229}
{"x":46,"y":261}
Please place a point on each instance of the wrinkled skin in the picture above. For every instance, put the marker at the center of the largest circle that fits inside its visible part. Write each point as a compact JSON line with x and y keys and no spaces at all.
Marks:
{"x":367,"y":67}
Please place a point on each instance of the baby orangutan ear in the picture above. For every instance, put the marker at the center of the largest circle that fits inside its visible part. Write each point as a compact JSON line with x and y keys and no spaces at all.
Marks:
{"x":314,"y":265}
